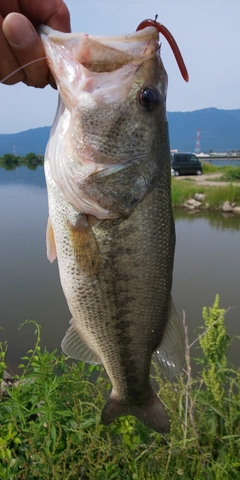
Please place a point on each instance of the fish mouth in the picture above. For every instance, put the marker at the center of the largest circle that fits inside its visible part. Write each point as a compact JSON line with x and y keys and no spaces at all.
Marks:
{"x":80,"y":58}
{"x":94,"y":142}
{"x":96,"y":53}
{"x":137,"y":46}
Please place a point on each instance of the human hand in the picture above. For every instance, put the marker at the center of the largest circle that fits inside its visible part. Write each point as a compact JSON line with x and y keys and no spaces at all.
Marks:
{"x":20,"y":42}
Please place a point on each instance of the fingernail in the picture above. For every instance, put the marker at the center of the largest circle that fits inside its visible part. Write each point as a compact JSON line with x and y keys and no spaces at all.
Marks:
{"x":18,"y":30}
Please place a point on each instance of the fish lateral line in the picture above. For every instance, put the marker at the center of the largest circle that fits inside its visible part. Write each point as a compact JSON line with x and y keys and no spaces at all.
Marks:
{"x":171,"y":40}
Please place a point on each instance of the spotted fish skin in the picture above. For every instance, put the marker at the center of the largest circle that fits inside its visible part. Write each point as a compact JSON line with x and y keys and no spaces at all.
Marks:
{"x":107,"y":167}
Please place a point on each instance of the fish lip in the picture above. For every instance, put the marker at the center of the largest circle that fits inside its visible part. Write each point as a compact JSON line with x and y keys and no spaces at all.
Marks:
{"x":72,"y":56}
{"x":136,"y":46}
{"x":144,"y":34}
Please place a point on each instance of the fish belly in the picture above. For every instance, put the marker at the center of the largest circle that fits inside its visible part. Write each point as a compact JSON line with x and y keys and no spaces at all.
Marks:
{"x":116,"y":276}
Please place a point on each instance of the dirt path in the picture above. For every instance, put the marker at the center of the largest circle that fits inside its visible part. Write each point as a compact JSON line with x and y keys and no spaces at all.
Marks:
{"x":206,"y":179}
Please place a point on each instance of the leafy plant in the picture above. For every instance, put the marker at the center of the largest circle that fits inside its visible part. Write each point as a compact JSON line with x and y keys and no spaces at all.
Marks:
{"x":214,"y":343}
{"x":50,"y":421}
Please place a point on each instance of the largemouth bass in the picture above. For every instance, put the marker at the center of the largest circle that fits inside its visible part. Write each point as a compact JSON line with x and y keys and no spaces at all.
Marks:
{"x":107,"y":167}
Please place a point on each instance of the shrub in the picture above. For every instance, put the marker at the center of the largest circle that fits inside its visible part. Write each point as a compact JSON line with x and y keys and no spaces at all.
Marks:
{"x":50,"y":421}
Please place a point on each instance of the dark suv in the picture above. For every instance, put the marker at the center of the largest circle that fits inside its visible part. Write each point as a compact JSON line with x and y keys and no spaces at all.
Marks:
{"x":185,"y":164}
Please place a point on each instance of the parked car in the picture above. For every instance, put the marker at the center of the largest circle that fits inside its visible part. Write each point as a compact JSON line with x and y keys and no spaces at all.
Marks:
{"x":186,"y":164}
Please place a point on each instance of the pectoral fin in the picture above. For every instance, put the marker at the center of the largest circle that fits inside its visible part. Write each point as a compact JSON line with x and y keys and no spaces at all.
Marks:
{"x":50,"y":240}
{"x":85,"y":248}
{"x":170,"y":355}
{"x":73,"y":346}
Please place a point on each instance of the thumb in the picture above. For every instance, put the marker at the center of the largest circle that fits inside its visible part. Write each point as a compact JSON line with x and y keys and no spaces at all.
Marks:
{"x":26,"y":45}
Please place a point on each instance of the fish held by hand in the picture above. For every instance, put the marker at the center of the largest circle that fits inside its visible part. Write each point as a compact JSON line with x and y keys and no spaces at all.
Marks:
{"x":107,"y":167}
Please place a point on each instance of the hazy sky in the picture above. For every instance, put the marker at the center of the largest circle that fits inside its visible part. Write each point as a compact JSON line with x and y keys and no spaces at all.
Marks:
{"x":207,"y":33}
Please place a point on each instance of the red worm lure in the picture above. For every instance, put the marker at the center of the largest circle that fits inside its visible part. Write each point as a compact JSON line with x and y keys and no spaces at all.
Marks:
{"x":146,"y":23}
{"x":171,"y":41}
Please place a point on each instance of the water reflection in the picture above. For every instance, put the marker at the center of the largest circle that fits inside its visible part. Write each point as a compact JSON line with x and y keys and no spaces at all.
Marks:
{"x":10,"y":161}
{"x":222,"y":162}
{"x":23,"y":175}
{"x":207,"y":262}
{"x":217,"y":220}
{"x":29,"y":284}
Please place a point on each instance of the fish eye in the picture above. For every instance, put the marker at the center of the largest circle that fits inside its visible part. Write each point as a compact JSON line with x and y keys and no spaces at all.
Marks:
{"x":150,"y":98}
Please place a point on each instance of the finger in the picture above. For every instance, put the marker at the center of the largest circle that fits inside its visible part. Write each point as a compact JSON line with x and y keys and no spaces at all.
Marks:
{"x":26,"y":47}
{"x":7,"y":7}
{"x":9,"y":63}
{"x":60,"y":18}
{"x":53,"y":13}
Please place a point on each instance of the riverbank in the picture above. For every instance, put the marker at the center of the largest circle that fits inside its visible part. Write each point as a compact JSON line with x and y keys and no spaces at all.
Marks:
{"x":209,"y":192}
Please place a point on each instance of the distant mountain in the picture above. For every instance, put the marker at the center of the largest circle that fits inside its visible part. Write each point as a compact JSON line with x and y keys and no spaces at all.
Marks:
{"x":34,"y":140}
{"x":219,"y":129}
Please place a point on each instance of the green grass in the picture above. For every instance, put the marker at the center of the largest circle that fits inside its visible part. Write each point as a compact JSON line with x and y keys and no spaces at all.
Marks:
{"x":215,"y":196}
{"x":50,"y":423}
{"x":209,"y":168}
{"x":182,"y":190}
{"x":231,"y":174}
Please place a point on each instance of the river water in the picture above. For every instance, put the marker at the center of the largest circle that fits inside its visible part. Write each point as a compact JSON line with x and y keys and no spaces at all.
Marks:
{"x":222,"y":162}
{"x":207,"y":262}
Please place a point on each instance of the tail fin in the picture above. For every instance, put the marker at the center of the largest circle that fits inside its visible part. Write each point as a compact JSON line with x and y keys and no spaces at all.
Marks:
{"x":151,"y":413}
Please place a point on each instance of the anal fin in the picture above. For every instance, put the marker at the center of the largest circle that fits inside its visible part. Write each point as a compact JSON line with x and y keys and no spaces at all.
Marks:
{"x":73,"y":346}
{"x":170,"y":355}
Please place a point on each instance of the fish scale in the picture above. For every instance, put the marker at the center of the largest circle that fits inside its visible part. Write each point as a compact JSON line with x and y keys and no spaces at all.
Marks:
{"x":107,"y":167}
{"x":140,"y":300}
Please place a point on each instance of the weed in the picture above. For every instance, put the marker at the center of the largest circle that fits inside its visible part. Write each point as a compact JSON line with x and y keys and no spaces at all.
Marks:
{"x":182,"y":191}
{"x":231,"y":174}
{"x":50,"y":421}
{"x":210,"y":168}
{"x":216,"y":196}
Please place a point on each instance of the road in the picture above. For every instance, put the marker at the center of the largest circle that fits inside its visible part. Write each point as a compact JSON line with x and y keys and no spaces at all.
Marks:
{"x":208,"y":179}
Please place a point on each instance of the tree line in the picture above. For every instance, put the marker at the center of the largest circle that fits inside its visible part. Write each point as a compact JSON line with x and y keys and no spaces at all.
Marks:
{"x":9,"y":161}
